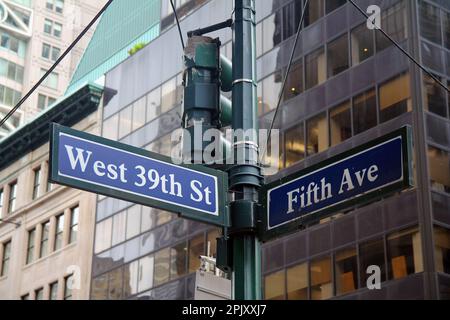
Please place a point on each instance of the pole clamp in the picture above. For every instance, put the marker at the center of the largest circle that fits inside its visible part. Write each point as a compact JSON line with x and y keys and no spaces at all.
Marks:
{"x":245,"y":81}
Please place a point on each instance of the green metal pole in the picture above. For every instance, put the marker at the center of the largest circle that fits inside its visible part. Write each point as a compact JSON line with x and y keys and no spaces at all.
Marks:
{"x":245,"y":175}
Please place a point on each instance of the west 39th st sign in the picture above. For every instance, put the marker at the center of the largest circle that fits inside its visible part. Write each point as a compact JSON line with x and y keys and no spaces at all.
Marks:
{"x":95,"y":164}
{"x":357,"y":176}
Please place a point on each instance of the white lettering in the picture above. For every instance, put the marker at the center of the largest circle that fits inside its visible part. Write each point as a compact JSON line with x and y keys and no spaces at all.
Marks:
{"x":80,"y":158}
{"x":292,"y":199}
{"x":195,"y":185}
{"x":372,"y":175}
{"x":346,"y":181}
{"x":98,"y":165}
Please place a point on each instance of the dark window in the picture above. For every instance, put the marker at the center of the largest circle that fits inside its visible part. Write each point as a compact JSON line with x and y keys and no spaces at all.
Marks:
{"x":371,"y":254}
{"x":54,"y":291}
{"x":430,"y":22}
{"x":314,"y":11}
{"x":346,"y":269}
{"x":44,"y":239}
{"x":439,"y":164}
{"x":2,"y":194}
{"x":36,"y":182}
{"x":365,"y":111}
{"x":31,"y":245}
{"x":446,"y":24}
{"x":39,"y":294}
{"x":294,"y":144}
{"x":162,"y":267}
{"x":59,"y":232}
{"x":46,"y":51}
{"x":395,"y":98}
{"x":362,"y":44}
{"x":73,"y":231}
{"x":338,"y":56}
{"x":274,"y":286}
{"x":404,"y":254}
{"x":340,"y":123}
{"x":196,"y":248}
{"x":442,"y":249}
{"x":289,"y":27}
{"x":5,"y":258}
{"x":332,"y":5}
{"x":294,"y":82}
{"x":178,"y":260}
{"x":321,"y":280}
{"x":297,"y":282}
{"x":68,"y":285}
{"x":12,"y":197}
{"x":435,"y":97}
{"x":317,"y":134}
{"x":394,"y":23}
{"x":315,"y":68}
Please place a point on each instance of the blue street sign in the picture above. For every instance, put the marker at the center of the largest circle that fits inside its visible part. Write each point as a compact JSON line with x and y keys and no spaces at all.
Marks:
{"x":107,"y":167}
{"x":359,"y":175}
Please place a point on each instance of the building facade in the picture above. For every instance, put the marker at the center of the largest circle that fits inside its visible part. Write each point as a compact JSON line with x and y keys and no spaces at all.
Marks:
{"x":34,"y":34}
{"x":348,"y":85}
{"x":46,"y":230}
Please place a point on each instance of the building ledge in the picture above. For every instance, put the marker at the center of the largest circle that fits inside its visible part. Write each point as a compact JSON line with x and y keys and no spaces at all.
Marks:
{"x":67,"y":111}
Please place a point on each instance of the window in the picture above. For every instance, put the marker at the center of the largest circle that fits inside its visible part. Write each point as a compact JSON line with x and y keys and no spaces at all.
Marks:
{"x":178,"y":260}
{"x":12,"y":197}
{"x":44,"y":239}
{"x":317,"y":134}
{"x":442,"y":249}
{"x":153,"y":104}
{"x":395,"y":98}
{"x":145,"y":277}
{"x":274,"y":286}
{"x":394,"y":23}
{"x":68,"y":285}
{"x":337,"y":56}
{"x":55,"y":5}
{"x":162,"y":266}
{"x":404,"y":254}
{"x":294,"y":83}
{"x":168,"y":95}
{"x":321,"y":284}
{"x":73,"y":231}
{"x":111,"y":127}
{"x":5,"y":258}
{"x":44,"y":101}
{"x":294,"y":144}
{"x":365,"y":111}
{"x":362,"y":44}
{"x":315,"y":68}
{"x":271,"y":89}
{"x":52,"y":28}
{"x":139,"y":108}
{"x":53,"y":290}
{"x":439,"y":166}
{"x":196,"y":248}
{"x":332,"y":5}
{"x":8,"y":96}
{"x":314,"y":12}
{"x":119,"y":227}
{"x":52,"y":79}
{"x":346,"y":269}
{"x":125,"y":121}
{"x":59,"y":232}
{"x":30,"y":246}
{"x":297,"y":282}
{"x":115,"y":284}
{"x":36,"y":182}
{"x":133,"y":221}
{"x":49,"y":52}
{"x":13,"y":44}
{"x":103,"y":234}
{"x":39,"y":294}
{"x":340,"y":123}
{"x":371,"y":254}
{"x":434,"y":96}
{"x":446,"y":23}
{"x":46,"y":48}
{"x":430,"y":22}
{"x":271,"y":31}
{"x":289,"y":26}
{"x":11,"y":70}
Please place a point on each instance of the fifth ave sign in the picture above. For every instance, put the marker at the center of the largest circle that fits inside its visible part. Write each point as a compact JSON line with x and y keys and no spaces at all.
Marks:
{"x":357,"y":176}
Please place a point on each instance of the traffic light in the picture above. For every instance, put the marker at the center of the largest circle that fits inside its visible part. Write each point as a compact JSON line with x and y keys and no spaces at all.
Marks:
{"x":206,"y":74}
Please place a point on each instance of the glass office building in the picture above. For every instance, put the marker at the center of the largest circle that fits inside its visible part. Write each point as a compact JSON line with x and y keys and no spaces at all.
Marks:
{"x":348,"y":85}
